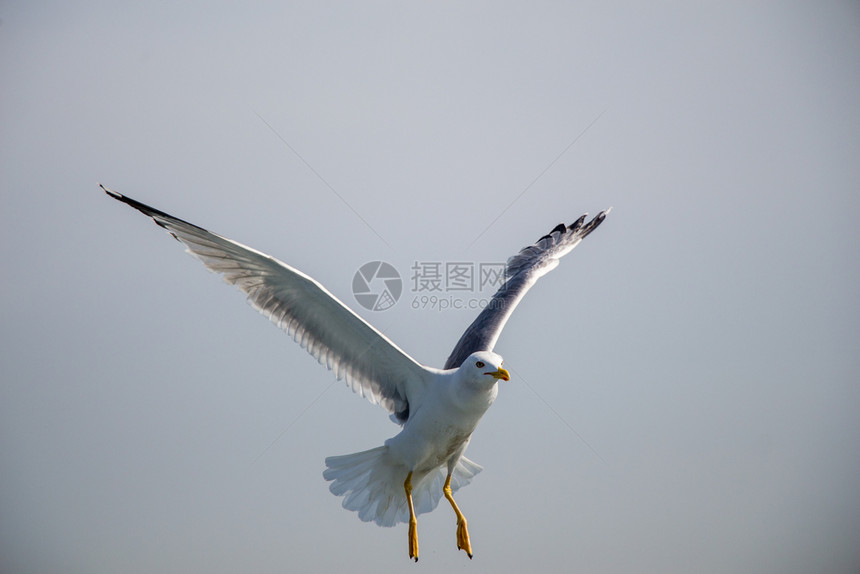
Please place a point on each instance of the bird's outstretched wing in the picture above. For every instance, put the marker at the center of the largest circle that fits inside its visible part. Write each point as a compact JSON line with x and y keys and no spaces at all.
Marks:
{"x":522,"y":271}
{"x":331,"y":332}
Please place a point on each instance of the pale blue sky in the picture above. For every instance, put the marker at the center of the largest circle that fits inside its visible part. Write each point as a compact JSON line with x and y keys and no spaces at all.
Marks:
{"x":686,"y":383}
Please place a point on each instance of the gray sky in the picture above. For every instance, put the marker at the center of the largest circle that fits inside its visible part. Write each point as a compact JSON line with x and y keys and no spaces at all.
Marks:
{"x":686,"y":383}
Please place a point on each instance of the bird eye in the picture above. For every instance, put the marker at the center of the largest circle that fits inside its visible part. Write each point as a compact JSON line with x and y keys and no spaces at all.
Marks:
{"x":480,"y":364}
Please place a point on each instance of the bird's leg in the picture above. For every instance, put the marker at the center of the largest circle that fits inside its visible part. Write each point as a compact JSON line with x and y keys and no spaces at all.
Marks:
{"x":413,"y":522}
{"x":462,"y":531}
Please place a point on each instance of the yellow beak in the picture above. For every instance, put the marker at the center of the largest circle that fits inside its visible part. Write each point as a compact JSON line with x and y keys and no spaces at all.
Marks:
{"x":500,"y":374}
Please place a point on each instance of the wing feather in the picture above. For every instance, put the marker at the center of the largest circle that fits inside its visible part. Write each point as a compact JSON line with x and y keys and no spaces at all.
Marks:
{"x":369,"y":362}
{"x":522,"y":271}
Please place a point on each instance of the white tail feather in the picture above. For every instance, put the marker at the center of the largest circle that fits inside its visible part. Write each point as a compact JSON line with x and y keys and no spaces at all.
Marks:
{"x":372,"y":485}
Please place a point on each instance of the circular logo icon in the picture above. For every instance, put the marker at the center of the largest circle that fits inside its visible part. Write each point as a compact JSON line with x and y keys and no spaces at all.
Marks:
{"x":377,"y":286}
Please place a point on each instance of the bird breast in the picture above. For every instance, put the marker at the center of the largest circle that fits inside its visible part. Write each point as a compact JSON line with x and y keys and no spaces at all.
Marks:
{"x":441,"y":427}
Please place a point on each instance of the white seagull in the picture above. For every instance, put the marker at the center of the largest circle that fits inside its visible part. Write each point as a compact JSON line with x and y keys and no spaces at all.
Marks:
{"x":437,"y":408}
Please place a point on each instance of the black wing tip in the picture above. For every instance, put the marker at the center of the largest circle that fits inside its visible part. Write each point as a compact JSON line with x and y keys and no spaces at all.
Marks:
{"x":580,"y":224}
{"x":112,"y":193}
{"x":594,"y":223}
{"x":129,"y":201}
{"x":560,"y":228}
{"x":159,"y":217}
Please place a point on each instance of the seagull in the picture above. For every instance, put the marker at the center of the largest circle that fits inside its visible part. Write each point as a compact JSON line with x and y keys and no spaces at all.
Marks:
{"x":438,"y":409}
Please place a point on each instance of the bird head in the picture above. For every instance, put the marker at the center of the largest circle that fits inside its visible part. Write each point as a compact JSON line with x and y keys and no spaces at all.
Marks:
{"x":485,"y":366}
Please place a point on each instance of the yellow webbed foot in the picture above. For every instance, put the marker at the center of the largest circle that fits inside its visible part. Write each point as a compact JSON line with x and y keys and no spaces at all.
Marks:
{"x":463,"y":542}
{"x":413,"y":522}
{"x":413,"y":540}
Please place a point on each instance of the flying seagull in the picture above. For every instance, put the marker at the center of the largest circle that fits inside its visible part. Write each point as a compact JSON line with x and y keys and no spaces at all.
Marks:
{"x":438,"y":409}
